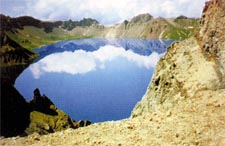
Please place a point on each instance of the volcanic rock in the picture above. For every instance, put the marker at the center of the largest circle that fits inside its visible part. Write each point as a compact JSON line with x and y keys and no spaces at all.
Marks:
{"x":45,"y":117}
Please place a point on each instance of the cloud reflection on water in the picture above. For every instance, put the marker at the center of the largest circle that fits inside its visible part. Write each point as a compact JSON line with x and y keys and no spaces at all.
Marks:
{"x":81,"y":62}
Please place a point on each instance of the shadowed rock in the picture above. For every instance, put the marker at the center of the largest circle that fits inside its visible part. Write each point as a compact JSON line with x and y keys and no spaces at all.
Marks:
{"x":45,"y":117}
{"x":84,"y":123}
{"x":42,"y":104}
{"x":14,"y":111}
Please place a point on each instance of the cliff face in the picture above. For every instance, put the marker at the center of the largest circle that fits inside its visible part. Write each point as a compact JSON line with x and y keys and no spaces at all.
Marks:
{"x":212,"y":34}
{"x":188,"y":83}
{"x":180,"y":75}
{"x":189,"y":68}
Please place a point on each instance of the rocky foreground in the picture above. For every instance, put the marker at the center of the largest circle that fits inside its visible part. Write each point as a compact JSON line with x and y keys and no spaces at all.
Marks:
{"x":184,"y":104}
{"x":198,"y":121}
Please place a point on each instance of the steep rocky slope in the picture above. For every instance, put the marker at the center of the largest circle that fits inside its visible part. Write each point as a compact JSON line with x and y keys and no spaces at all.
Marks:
{"x":212,"y":35}
{"x":13,"y":56}
{"x":180,"y":75}
{"x":189,"y":67}
{"x":14,"y":59}
{"x":184,"y":104}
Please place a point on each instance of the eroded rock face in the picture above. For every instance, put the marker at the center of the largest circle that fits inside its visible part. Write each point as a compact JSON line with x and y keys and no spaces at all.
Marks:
{"x":191,"y":66}
{"x":212,"y":34}
{"x":179,"y":75}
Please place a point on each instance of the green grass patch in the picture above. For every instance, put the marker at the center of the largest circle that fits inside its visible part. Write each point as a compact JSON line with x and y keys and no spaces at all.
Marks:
{"x":31,"y":37}
{"x":177,"y":33}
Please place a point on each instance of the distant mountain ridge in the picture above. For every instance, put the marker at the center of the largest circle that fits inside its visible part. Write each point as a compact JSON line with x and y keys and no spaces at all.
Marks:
{"x":69,"y":25}
{"x":32,"y":33}
{"x":10,"y":24}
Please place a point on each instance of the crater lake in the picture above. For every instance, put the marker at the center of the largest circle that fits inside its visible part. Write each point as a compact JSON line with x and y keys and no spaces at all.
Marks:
{"x":94,"y":79}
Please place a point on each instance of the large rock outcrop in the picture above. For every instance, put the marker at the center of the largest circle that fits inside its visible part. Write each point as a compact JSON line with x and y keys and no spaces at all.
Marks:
{"x":45,"y":117}
{"x":191,"y":66}
{"x":180,"y":75}
{"x":212,"y":34}
{"x":190,"y":77}
{"x":188,"y":84}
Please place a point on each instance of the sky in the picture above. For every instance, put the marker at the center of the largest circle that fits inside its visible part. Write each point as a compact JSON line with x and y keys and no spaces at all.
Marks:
{"x":105,"y":11}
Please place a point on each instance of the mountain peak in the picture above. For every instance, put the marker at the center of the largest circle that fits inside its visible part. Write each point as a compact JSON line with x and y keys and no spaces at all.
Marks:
{"x":182,"y":17}
{"x":141,"y":18}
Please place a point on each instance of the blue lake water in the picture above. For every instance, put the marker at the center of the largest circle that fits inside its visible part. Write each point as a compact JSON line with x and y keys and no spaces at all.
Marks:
{"x":93,"y":79}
